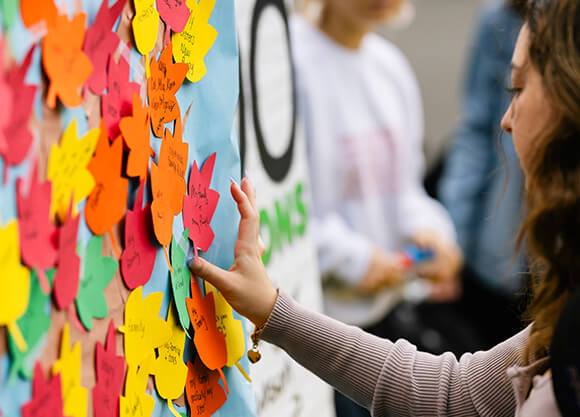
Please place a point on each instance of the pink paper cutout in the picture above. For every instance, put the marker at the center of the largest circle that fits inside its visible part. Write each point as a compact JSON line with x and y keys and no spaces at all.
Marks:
{"x":200,"y":204}
{"x":46,"y":398}
{"x":66,"y":278}
{"x":175,"y":14}
{"x":100,"y":42}
{"x":138,"y":258}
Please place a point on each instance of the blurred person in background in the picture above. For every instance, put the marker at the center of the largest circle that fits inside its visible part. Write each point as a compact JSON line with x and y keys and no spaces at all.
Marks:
{"x":363,"y":115}
{"x":482,"y":182}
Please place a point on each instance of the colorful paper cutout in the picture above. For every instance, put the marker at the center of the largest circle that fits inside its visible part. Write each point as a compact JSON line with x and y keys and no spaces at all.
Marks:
{"x":116,"y":103}
{"x":98,"y":272}
{"x":14,"y":283}
{"x":145,"y":26}
{"x":9,"y":10}
{"x":166,"y":78}
{"x":66,"y":279}
{"x":107,"y":202}
{"x":136,"y":402}
{"x":37,"y":233}
{"x":67,"y":169}
{"x":199,"y":205}
{"x":46,"y":398}
{"x":34,"y":325}
{"x":68,"y":365}
{"x":110,"y":371}
{"x":180,"y":279}
{"x":34,"y":12}
{"x":144,"y":330}
{"x":138,"y":258}
{"x":192,"y":45}
{"x":170,"y":370}
{"x":204,"y":393}
{"x":65,"y":63}
{"x":175,"y":14}
{"x":135,"y":130}
{"x":101,"y":42}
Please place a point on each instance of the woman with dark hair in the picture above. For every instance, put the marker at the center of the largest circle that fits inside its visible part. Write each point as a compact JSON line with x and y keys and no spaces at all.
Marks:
{"x":514,"y":376}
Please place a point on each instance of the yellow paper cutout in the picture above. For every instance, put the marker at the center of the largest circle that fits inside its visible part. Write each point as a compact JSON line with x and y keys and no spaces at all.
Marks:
{"x":14,"y":283}
{"x":67,"y":170}
{"x":136,"y":402}
{"x":192,"y":45}
{"x":170,"y":370}
{"x":144,"y":330}
{"x":68,"y":365}
{"x":145,"y":28}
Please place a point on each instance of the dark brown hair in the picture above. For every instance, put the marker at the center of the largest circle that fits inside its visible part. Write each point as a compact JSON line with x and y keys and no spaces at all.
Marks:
{"x":552,"y":225}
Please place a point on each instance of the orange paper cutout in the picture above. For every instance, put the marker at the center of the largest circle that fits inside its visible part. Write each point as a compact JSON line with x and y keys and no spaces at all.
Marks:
{"x":135,"y":130}
{"x":34,"y":12}
{"x":204,"y":393}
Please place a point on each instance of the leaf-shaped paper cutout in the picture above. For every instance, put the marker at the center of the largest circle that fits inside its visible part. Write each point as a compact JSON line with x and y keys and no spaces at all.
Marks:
{"x":204,"y":393}
{"x":192,"y":45}
{"x":136,"y":402}
{"x":166,"y":78}
{"x":34,"y":325}
{"x":138,"y":258}
{"x":135,"y":130}
{"x":180,"y":279}
{"x":110,"y":370}
{"x":67,"y":169}
{"x":107,"y":202}
{"x":117,"y":101}
{"x":68,"y":365}
{"x":66,"y":279}
{"x":98,"y":272}
{"x":174,"y":13}
{"x":9,"y":10}
{"x":145,"y":25}
{"x":34,"y":12}
{"x":209,"y":341}
{"x":65,"y":63}
{"x":144,"y":330}
{"x":14,"y":283}
{"x":46,"y":398}
{"x":101,"y":42}
{"x":200,"y":204}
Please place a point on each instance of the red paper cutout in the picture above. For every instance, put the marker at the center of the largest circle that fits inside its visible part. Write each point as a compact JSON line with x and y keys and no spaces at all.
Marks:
{"x":116,"y":103}
{"x":37,"y":11}
{"x":204,"y":393}
{"x":66,"y":65}
{"x":100,"y":42}
{"x":165,"y":80}
{"x":138,"y":258}
{"x":37,"y":233}
{"x":107,"y":202}
{"x":174,"y":13}
{"x":200,"y":204}
{"x":110,"y":371}
{"x":135,"y":130}
{"x":46,"y":398}
{"x":66,"y":278}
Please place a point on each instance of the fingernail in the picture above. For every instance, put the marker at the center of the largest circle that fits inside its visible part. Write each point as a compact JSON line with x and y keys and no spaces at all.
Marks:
{"x":233,"y":181}
{"x":245,"y":173}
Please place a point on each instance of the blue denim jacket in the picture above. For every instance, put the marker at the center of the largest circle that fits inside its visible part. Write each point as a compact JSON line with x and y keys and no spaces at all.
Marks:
{"x":472,"y":186}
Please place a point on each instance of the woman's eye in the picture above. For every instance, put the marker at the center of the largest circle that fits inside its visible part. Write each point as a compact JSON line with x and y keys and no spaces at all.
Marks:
{"x":513,"y":91}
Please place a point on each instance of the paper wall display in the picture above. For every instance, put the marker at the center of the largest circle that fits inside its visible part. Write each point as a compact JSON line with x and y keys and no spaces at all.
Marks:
{"x":199,"y":205}
{"x":144,"y":330}
{"x":46,"y":398}
{"x":194,"y":42}
{"x":34,"y":324}
{"x":117,"y":101}
{"x":98,"y":271}
{"x":68,"y":366}
{"x":65,"y":63}
{"x":107,"y":202}
{"x":136,"y":402}
{"x":204,"y":393}
{"x":66,"y":279}
{"x":145,"y":27}
{"x":34,"y":12}
{"x":100,"y":42}
{"x":175,"y":14}
{"x":166,"y":78}
{"x":180,"y":279}
{"x":138,"y":258}
{"x":170,"y":370}
{"x":136,"y":132}
{"x":37,"y":233}
{"x":67,"y":169}
{"x":110,"y":372}
{"x":14,"y":283}
{"x":14,"y":130}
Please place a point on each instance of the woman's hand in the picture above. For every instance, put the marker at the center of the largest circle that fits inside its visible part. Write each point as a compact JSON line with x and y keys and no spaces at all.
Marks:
{"x":448,"y":259}
{"x":384,"y":271}
{"x":246,"y":286}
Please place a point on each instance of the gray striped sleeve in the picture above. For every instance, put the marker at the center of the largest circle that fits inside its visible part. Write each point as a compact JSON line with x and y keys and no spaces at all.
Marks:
{"x":393,"y":378}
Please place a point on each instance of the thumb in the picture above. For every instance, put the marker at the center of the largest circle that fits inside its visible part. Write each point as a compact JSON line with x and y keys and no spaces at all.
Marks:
{"x":216,"y":276}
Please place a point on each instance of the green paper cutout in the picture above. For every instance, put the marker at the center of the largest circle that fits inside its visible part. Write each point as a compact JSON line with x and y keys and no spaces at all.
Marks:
{"x":9,"y":10}
{"x":34,"y":325}
{"x":98,"y":272}
{"x":180,"y":281}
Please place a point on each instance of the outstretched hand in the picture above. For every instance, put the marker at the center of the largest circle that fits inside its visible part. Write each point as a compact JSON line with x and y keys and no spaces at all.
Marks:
{"x":246,"y":285}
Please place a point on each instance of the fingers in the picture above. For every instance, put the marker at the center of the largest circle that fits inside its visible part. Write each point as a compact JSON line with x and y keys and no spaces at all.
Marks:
{"x":241,"y":198}
{"x":250,"y":192}
{"x":250,"y":222}
{"x":214,"y":275}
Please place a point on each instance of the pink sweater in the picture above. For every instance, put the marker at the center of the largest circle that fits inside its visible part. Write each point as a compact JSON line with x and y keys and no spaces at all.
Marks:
{"x":395,"y":379}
